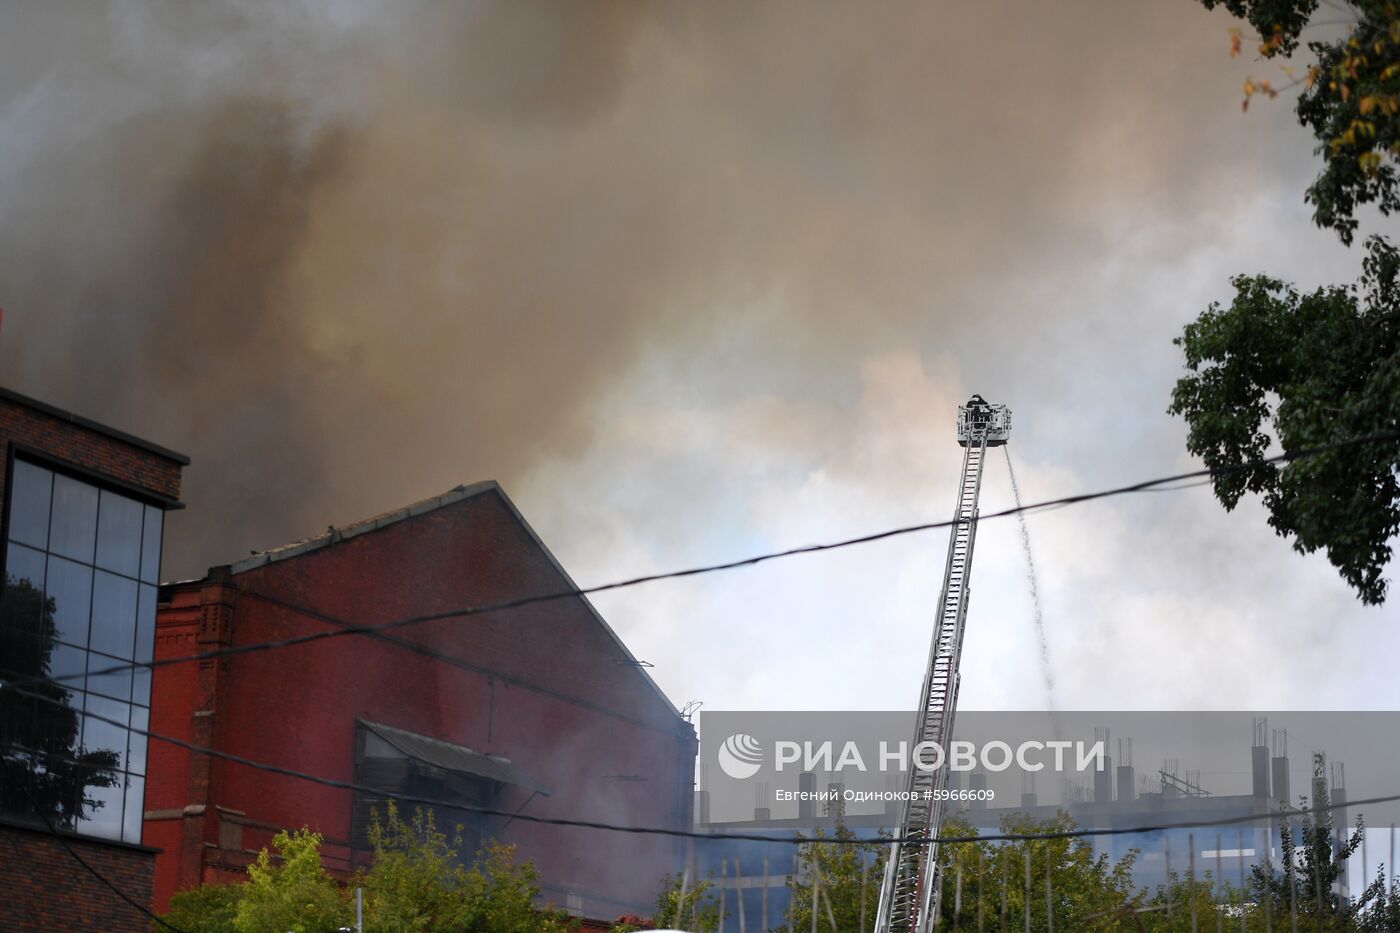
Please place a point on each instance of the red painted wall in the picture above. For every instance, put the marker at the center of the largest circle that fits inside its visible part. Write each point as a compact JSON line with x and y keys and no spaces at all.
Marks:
{"x":546,"y":691}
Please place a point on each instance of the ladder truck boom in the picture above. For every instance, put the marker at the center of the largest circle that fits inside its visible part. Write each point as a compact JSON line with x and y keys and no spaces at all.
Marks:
{"x":908,"y":894}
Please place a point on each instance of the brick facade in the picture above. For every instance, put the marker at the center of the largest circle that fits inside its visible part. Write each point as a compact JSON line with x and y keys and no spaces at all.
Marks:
{"x":549,"y":687}
{"x":43,"y":888}
{"x":89,"y":446}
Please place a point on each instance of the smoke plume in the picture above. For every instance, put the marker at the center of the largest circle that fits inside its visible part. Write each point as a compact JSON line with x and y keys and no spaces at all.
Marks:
{"x":347,"y":255}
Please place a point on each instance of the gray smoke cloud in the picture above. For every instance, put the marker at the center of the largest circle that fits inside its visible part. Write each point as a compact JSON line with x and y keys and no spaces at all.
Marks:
{"x":349,"y":254}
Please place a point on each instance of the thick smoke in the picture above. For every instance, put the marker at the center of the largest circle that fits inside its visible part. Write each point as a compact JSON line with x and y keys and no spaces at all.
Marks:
{"x":347,"y":255}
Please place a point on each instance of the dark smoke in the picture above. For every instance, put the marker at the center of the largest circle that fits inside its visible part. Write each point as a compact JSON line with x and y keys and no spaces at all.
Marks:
{"x":347,"y":256}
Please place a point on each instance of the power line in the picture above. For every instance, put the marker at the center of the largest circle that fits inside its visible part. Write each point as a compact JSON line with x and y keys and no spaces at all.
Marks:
{"x":518,"y":602}
{"x":692,"y":834}
{"x":54,"y":831}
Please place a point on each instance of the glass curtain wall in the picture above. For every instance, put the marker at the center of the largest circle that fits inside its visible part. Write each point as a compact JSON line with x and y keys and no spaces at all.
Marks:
{"x":81,"y":567}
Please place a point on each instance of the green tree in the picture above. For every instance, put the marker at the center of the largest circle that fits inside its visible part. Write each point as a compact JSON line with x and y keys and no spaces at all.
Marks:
{"x":1349,"y":99}
{"x":416,"y":884}
{"x":1306,"y":882}
{"x":1081,"y":885}
{"x":209,"y":908}
{"x":845,"y":878}
{"x":1306,"y":370}
{"x":1321,"y":367}
{"x":696,"y":907}
{"x":293,"y":892}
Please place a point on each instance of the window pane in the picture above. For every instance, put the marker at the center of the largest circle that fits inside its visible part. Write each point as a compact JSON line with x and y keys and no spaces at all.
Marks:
{"x":25,"y":564}
{"x":141,"y":686}
{"x":113,"y":615}
{"x":73,"y":527}
{"x":104,"y":816}
{"x":70,"y":588}
{"x":23,"y":604}
{"x":136,"y":757}
{"x":146,"y":623}
{"x":66,"y":661}
{"x":100,"y":735}
{"x":135,"y":804}
{"x":119,"y":534}
{"x":29,"y":504}
{"x":22,"y":656}
{"x":150,"y":544}
{"x":116,"y":684}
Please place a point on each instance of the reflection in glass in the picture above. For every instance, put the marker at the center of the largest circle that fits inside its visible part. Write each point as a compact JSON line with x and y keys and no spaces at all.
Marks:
{"x":113,"y":615}
{"x":146,"y":624}
{"x":29,"y":504}
{"x":136,"y":744}
{"x":25,"y":564}
{"x":46,"y":768}
{"x":135,"y":803}
{"x":78,"y":599}
{"x":150,"y":545}
{"x":67,"y":662}
{"x":104,"y":818}
{"x":119,"y":534}
{"x":70,"y":587}
{"x":114,"y":684}
{"x":73,"y":527}
{"x":104,"y":725}
{"x":141,"y":686}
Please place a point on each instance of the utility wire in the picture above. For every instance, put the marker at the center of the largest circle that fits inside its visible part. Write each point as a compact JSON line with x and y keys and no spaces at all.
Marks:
{"x":518,"y":602}
{"x":63,"y":841}
{"x":692,"y":834}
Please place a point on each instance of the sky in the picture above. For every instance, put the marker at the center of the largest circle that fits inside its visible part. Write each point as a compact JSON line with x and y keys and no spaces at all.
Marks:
{"x":694,"y":281}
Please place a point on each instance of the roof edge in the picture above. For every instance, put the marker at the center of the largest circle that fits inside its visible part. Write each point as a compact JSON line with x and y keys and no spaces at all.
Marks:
{"x":373,"y":523}
{"x":63,"y":414}
{"x":588,"y":604}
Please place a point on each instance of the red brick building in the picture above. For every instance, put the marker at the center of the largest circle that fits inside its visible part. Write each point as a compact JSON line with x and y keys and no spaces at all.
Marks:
{"x":82,"y":525}
{"x":541,"y":710}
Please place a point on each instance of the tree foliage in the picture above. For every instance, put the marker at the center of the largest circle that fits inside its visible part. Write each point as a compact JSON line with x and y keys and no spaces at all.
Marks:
{"x":990,"y":879}
{"x":691,"y":903}
{"x":1350,"y":100}
{"x":1305,"y":371}
{"x":293,"y":892}
{"x":845,"y":879}
{"x":416,"y":884}
{"x":1309,"y":370}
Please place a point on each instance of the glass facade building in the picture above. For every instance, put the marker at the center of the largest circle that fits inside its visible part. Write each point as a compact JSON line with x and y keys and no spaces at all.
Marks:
{"x":81,"y":564}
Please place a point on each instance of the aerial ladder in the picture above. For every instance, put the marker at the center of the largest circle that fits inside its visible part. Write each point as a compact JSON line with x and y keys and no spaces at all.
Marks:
{"x":908,"y":895}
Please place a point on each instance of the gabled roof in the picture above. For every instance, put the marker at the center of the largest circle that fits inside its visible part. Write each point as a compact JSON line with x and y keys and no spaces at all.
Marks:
{"x":456,"y":494}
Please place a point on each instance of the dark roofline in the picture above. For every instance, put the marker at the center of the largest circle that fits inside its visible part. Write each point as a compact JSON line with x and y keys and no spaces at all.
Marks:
{"x":343,"y":532}
{"x":65,"y":415}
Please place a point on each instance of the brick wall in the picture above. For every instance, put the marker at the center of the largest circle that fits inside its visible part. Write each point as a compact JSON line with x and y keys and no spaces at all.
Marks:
{"x":75,"y":442}
{"x":42,"y":887}
{"x":540,"y":686}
